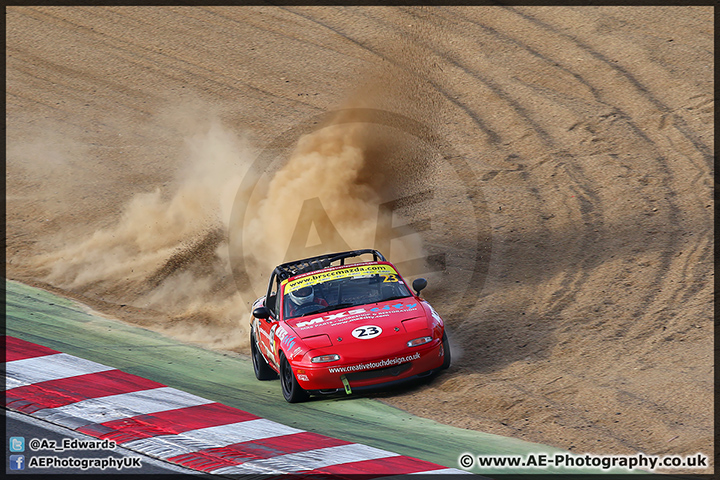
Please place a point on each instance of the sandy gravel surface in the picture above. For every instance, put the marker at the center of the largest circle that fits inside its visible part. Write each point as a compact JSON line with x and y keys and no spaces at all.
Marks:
{"x":563,"y":178}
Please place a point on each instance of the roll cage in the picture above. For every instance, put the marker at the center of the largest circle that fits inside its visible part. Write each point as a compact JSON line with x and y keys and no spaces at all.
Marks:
{"x":311,"y":264}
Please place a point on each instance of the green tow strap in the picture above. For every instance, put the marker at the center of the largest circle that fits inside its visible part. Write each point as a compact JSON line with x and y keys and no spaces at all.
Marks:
{"x":346,"y":384}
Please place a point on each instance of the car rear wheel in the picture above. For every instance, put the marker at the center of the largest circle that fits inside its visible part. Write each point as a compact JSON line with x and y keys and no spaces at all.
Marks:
{"x":291,"y":389}
{"x":446,"y":351}
{"x":261,"y":367}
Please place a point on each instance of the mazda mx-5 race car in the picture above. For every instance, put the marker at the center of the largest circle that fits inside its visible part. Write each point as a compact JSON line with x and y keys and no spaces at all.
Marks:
{"x":325,"y":326}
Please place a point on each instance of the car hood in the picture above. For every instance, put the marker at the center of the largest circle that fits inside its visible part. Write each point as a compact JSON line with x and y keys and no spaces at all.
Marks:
{"x":387,"y":316}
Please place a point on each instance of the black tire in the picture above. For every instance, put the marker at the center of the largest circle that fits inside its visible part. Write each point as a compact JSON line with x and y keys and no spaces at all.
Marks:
{"x":261,"y":367}
{"x":446,"y":350}
{"x":292,"y":391}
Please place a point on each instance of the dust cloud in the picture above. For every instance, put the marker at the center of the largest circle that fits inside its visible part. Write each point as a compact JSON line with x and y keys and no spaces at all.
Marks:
{"x":168,"y":252}
{"x":165,"y":252}
{"x":326,"y":198}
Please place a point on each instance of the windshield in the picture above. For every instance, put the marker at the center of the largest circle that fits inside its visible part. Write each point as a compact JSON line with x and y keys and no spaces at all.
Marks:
{"x":342,"y":288}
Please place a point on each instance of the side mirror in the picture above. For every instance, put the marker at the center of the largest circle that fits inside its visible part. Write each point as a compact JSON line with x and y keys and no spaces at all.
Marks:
{"x":418,"y":284}
{"x":261,"y":312}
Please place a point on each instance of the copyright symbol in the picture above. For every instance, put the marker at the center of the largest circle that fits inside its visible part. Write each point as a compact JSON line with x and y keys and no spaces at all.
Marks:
{"x":34,"y":444}
{"x":466,"y":460}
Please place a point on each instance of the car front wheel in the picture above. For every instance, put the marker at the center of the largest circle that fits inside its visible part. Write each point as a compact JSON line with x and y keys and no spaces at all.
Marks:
{"x":446,"y":351}
{"x":292,"y":391}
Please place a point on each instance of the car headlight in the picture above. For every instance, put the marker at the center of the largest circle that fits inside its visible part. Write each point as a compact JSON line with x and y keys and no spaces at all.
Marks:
{"x":419,"y":341}
{"x":325,"y":358}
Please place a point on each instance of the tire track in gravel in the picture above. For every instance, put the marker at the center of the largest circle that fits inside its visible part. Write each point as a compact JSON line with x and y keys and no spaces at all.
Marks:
{"x":679,"y":122}
{"x":643,"y":91}
{"x":163,"y":63}
{"x":662,"y":162}
{"x":248,"y":20}
{"x":587,"y":202}
{"x":492,"y":136}
{"x":617,"y":110}
{"x":701,"y":250}
{"x":72,"y":80}
{"x":587,"y":197}
{"x":221,"y":76}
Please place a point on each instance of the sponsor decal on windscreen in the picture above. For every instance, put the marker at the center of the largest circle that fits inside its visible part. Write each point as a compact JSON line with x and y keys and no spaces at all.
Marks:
{"x":358,"y":271}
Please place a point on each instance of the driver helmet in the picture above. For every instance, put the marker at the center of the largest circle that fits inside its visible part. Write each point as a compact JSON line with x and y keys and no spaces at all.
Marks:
{"x":302,"y":296}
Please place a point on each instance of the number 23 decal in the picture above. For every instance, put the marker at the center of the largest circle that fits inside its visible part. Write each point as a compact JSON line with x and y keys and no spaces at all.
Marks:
{"x":366,"y":332}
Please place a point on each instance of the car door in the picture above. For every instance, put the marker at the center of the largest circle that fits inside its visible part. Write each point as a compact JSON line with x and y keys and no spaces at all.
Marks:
{"x":266,"y":328}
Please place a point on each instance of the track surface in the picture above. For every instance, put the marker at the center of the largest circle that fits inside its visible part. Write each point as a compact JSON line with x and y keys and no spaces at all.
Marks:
{"x":586,"y":131}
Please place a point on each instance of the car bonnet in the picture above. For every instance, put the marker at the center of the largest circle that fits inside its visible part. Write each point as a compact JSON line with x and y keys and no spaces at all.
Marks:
{"x":345,"y":322}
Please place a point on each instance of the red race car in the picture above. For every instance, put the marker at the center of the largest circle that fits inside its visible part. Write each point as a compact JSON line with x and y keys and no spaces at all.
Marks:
{"x":325,"y":326}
